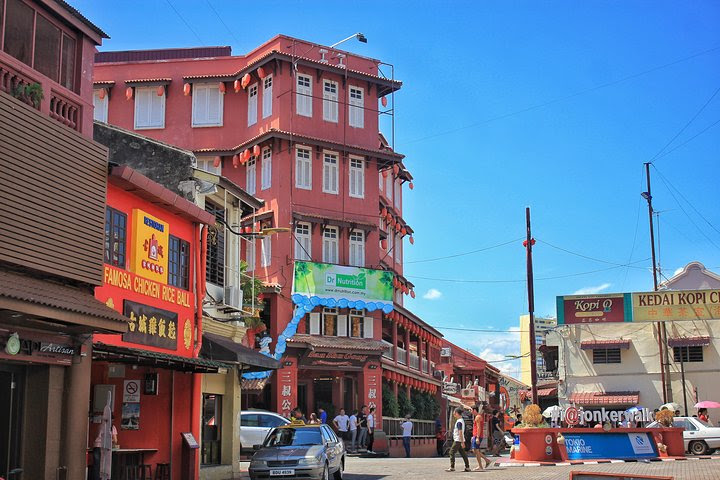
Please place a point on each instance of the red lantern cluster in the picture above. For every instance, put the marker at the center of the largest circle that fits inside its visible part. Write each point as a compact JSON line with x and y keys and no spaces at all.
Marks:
{"x":102,"y":93}
{"x":245,"y":80}
{"x":129,"y":93}
{"x":217,"y":161}
{"x":261,"y":73}
{"x":256,"y":151}
{"x":221,"y":87}
{"x":187,"y":88}
{"x":408,"y":381}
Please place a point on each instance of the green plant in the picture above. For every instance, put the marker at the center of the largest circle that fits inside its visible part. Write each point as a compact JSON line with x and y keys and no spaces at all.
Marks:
{"x":404,"y":404}
{"x":29,"y":91}
{"x":390,"y":405}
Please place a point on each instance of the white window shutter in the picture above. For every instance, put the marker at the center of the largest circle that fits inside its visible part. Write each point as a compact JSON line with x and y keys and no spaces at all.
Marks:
{"x":214,"y":105}
{"x":267,"y":96}
{"x":315,"y":323}
{"x":157,"y":112}
{"x":368,"y":327}
{"x":342,"y":325}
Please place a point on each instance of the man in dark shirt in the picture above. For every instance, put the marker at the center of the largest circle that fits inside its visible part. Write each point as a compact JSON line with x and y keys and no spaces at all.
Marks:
{"x":362,"y":427}
{"x":497,"y":426}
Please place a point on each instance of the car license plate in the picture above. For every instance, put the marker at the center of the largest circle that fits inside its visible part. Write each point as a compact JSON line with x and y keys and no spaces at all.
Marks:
{"x":281,"y":472}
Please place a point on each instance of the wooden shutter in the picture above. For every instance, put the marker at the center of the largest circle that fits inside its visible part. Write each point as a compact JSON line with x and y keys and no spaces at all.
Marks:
{"x":368,"y":327}
{"x":315,"y":324}
{"x":342,"y":325}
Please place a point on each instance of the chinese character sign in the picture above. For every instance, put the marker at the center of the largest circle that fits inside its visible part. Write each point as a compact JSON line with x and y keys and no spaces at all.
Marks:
{"x":150,"y":239}
{"x":150,"y":325}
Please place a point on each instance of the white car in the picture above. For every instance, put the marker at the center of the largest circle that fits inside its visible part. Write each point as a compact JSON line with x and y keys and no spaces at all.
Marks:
{"x":255,"y":425}
{"x":700,"y":438}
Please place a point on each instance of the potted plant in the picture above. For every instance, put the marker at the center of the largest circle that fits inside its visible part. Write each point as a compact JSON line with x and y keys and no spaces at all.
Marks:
{"x":30,"y":93}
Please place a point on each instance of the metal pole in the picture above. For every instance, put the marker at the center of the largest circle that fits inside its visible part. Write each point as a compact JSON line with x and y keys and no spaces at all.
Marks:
{"x":531,"y":308}
{"x":667,"y":396}
{"x":682,"y":374}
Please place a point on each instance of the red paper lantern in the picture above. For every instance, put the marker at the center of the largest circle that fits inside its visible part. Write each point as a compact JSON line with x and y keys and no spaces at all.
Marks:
{"x":412,"y":293}
{"x":383,"y":212}
{"x":261,"y":72}
{"x":398,"y":227}
{"x":256,"y":151}
{"x":129,"y":93}
{"x":248,"y":229}
{"x":389,"y":218}
{"x":411,"y":185}
{"x":403,"y":231}
{"x":393,"y":222}
{"x":383,"y":244}
{"x":384,"y":173}
{"x":187,"y":88}
{"x":383,"y":100}
{"x":160,"y":91}
{"x":412,"y":240}
{"x":221,"y":87}
{"x":236,"y":160}
{"x":237,"y":86}
{"x":396,"y":169}
{"x":246,"y":80}
{"x":102,"y":93}
{"x":246,"y":155}
{"x":217,"y":161}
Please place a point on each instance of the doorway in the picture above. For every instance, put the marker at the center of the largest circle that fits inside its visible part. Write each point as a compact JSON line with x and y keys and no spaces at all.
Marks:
{"x":12,"y":381}
{"x":349,"y":397}
{"x":322,"y":391}
{"x":302,"y":399}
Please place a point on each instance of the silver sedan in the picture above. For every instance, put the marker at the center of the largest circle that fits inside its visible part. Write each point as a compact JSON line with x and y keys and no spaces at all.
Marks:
{"x":700,"y":438}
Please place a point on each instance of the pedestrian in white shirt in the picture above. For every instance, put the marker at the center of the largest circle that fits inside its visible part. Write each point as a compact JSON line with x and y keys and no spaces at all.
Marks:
{"x":342,"y":422}
{"x":371,"y":429}
{"x":353,"y":430}
{"x":407,"y":426}
{"x":458,"y":441}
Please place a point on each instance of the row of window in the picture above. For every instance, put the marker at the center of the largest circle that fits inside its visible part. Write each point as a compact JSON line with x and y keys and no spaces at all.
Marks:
{"x":330,"y":244}
{"x":330,"y":178}
{"x":265,"y":172}
{"x":304,"y":101}
{"x":116,"y":249}
{"x":330,"y":323}
{"x":265,"y":253}
{"x":680,"y":354}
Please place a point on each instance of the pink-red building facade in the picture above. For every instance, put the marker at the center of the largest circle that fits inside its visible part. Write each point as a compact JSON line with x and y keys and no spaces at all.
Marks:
{"x":297,"y":125}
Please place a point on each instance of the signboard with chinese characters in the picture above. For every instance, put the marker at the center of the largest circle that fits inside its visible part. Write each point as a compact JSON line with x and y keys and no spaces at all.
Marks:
{"x":351,"y":284}
{"x":676,"y":305}
{"x":149,"y":248}
{"x":610,"y":308}
{"x":150,"y":326}
{"x":324,"y":360}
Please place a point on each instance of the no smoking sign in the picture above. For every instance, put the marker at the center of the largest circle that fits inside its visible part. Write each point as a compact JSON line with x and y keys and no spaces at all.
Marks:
{"x":131,"y":391}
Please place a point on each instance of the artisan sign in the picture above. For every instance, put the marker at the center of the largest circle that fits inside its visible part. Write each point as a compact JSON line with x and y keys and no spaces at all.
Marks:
{"x":150,"y":325}
{"x":676,"y":305}
{"x":661,"y":306}
{"x":573,"y":309}
{"x":333,"y":359}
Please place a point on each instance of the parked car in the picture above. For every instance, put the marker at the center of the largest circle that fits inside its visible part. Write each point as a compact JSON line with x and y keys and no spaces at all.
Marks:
{"x":255,"y":425}
{"x":700,"y":438}
{"x":302,"y":451}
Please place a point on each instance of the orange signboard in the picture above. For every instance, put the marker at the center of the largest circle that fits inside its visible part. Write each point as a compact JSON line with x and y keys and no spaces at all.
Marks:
{"x":149,"y":251}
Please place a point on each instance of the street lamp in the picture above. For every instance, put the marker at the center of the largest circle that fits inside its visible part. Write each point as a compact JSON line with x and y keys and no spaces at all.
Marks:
{"x":361,"y":38}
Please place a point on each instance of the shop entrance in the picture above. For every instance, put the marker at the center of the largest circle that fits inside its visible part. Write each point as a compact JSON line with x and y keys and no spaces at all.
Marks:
{"x":12,"y":380}
{"x":323,"y":393}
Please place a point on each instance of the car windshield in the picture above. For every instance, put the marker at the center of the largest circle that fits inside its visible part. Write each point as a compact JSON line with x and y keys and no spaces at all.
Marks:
{"x":283,"y":437}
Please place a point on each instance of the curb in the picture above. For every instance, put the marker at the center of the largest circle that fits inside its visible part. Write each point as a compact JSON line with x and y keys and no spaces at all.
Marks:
{"x":515,"y":464}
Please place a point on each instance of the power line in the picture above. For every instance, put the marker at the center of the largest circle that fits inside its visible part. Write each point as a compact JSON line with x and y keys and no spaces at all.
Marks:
{"x":222,"y":21}
{"x":567,"y":97}
{"x":637,"y":224}
{"x":185,"y":22}
{"x":484,"y":330}
{"x":689,"y":139}
{"x":581,"y":255}
{"x":467,"y":253}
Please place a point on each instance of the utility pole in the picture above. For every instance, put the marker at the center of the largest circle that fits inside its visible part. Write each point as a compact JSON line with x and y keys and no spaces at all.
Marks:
{"x":531,"y":307}
{"x":664,"y":360}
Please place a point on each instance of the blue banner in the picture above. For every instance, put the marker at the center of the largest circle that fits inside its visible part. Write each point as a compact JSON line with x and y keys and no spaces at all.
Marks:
{"x":610,"y":445}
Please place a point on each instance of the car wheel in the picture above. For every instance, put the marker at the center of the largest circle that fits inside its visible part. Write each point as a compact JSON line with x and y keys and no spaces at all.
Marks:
{"x":698,"y":448}
{"x":339,"y":474}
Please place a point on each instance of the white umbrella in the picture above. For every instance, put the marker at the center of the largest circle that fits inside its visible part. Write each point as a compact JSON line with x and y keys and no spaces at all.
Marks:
{"x":670,"y":406}
{"x":552,"y":411}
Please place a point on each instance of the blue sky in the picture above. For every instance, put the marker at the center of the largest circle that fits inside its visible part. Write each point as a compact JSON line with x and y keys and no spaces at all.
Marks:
{"x":508,"y":104}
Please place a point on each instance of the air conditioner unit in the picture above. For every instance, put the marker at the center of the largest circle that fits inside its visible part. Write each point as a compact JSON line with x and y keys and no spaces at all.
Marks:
{"x":467,"y":393}
{"x":445,"y":352}
{"x":233,"y":297}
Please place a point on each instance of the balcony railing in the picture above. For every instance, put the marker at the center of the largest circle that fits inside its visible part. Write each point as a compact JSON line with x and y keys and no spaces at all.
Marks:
{"x":388,"y":352}
{"x":402,"y":356}
{"x":414,"y":361}
{"x":56,"y":103}
{"x":421,"y":428}
{"x":425,"y":365}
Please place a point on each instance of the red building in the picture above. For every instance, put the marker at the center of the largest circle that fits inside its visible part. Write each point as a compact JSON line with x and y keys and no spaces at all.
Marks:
{"x":297,"y":125}
{"x":152,"y":271}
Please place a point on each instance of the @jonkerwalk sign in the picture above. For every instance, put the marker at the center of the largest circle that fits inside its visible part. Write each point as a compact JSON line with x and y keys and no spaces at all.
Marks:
{"x":660,"y":306}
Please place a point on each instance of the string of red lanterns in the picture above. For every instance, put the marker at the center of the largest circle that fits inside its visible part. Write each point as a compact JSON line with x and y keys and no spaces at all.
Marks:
{"x":406,"y":380}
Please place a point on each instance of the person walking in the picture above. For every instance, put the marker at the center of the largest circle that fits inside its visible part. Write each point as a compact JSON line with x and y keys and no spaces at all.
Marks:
{"x":353,"y":431}
{"x":477,"y":438}
{"x":362,"y":427}
{"x":323,"y":415}
{"x":458,"y":445}
{"x":342,"y":422}
{"x":371,"y":429}
{"x":497,"y":427}
{"x":407,"y":427}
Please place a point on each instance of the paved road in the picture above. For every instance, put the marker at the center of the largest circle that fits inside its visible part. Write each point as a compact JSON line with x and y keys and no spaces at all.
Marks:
{"x":434,"y":468}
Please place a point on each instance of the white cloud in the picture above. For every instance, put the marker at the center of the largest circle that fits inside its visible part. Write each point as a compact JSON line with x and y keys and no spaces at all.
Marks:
{"x":493,"y":347}
{"x":432,"y":294}
{"x":592,"y":290}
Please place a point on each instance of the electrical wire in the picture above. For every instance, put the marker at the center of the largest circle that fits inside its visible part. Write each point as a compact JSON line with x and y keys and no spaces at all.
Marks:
{"x":689,"y":139}
{"x":567,"y":97}
{"x":581,"y":255}
{"x":185,"y":21}
{"x":466,"y":253}
{"x":637,"y":225}
{"x":222,"y":21}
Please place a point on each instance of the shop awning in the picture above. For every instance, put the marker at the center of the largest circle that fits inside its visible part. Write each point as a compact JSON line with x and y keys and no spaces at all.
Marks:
{"x":689,"y":342}
{"x":338,"y":343}
{"x":149,"y":358}
{"x":598,"y":344}
{"x":605,"y":399}
{"x":77,"y":309}
{"x":542,"y":392}
{"x":219,"y":348}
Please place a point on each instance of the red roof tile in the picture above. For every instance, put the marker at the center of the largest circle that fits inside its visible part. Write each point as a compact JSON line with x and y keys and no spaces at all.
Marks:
{"x":607,"y":398}
{"x":689,"y":342}
{"x":594,"y":344}
{"x":340,"y":343}
{"x":255,"y":385}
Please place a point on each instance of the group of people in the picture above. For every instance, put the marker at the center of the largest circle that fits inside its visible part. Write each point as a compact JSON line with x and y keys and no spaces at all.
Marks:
{"x":357,"y":430}
{"x":486,"y":424}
